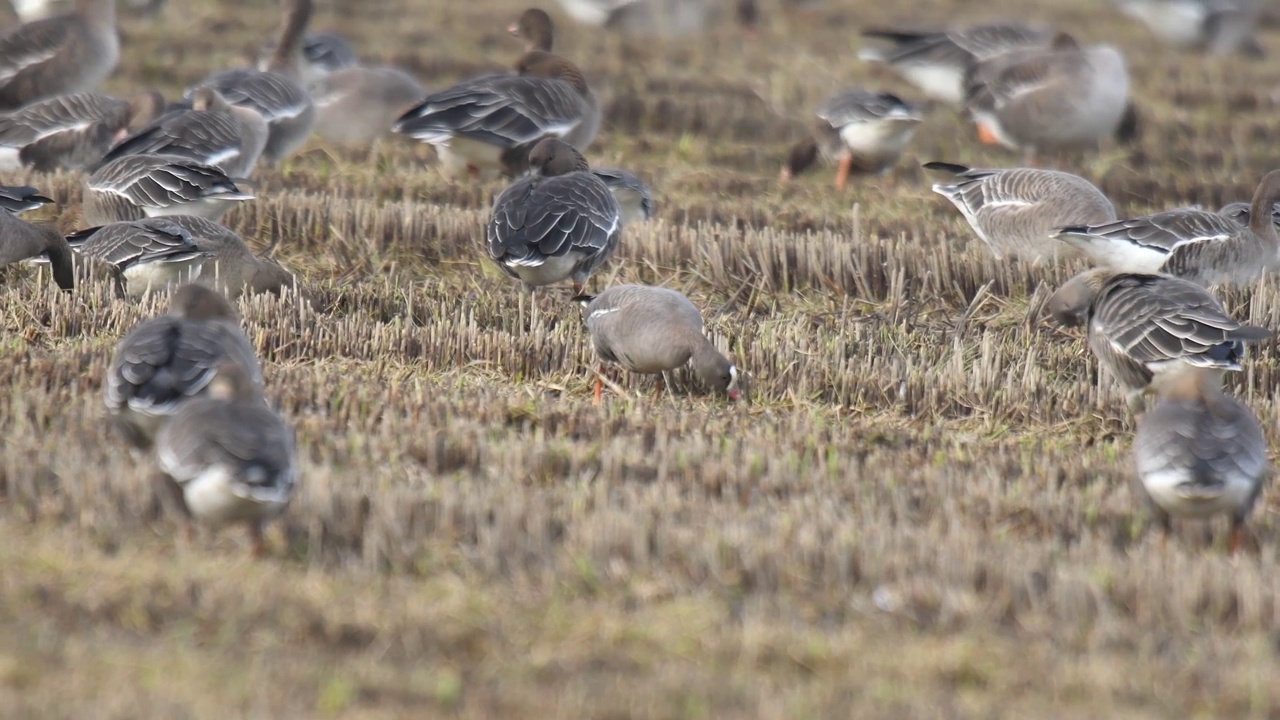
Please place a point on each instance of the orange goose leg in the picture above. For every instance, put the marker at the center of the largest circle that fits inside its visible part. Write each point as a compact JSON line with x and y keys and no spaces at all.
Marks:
{"x":842,"y":172}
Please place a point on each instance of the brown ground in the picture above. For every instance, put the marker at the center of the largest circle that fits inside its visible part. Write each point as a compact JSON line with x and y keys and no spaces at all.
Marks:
{"x":923,"y":511}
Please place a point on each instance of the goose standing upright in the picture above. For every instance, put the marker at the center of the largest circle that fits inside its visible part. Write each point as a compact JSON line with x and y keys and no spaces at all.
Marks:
{"x":58,"y":55}
{"x":861,"y":130}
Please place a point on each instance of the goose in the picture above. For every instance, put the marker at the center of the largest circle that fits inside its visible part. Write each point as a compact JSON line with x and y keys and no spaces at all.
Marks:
{"x":559,"y":222}
{"x":165,"y":361}
{"x":1238,"y":212}
{"x":1063,"y":97}
{"x":70,"y":132}
{"x":663,"y":18}
{"x":214,"y":132}
{"x":861,"y":130}
{"x":1200,"y":452}
{"x":277,"y":93}
{"x":1219,"y":27}
{"x":20,"y":240}
{"x":1205,"y":247}
{"x":653,"y":330}
{"x":939,"y":62}
{"x":322,"y":53}
{"x":355,"y":106}
{"x":474,"y":124}
{"x":58,"y":55}
{"x":137,"y":186}
{"x":635,"y":201}
{"x":535,"y":28}
{"x":17,"y":199}
{"x":1142,"y":325}
{"x":227,"y":457}
{"x":1017,"y":210}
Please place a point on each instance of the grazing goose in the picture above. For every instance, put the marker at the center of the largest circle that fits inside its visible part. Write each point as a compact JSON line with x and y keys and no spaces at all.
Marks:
{"x":475,"y":124}
{"x":1018,"y":210}
{"x":17,"y":199}
{"x":213,"y":132}
{"x":939,"y":62}
{"x":228,"y":457}
{"x":861,"y":130}
{"x":535,"y":28}
{"x":355,"y":106}
{"x":1219,"y":27}
{"x":654,"y":330}
{"x":20,"y":240}
{"x":322,"y":53}
{"x":277,"y":93}
{"x":1063,"y":97}
{"x":156,"y":254}
{"x":165,"y":361}
{"x":1200,"y":452}
{"x":137,"y":186}
{"x":58,"y":55}
{"x":70,"y":132}
{"x":560,"y":222}
{"x":1140,"y":326}
{"x":634,"y":199}
{"x":1203,"y":247}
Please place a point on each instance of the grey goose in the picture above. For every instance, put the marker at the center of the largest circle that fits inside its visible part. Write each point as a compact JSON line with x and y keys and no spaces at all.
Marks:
{"x":17,"y":199}
{"x":860,"y":130}
{"x":165,"y":361}
{"x":1218,"y":27}
{"x":136,"y":186}
{"x":70,"y":132}
{"x":58,"y":55}
{"x":322,"y":53}
{"x":653,"y":330}
{"x":357,"y":105}
{"x":20,"y":240}
{"x":635,"y":200}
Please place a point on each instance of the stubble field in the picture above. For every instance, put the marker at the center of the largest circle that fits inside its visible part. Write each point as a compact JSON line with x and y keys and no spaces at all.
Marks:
{"x":923,"y":510}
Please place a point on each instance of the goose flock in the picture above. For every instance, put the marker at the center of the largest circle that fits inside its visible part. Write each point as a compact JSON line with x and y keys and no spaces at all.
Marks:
{"x":187,"y":388}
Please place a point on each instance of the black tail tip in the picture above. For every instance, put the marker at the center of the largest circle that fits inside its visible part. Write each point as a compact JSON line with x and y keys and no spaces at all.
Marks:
{"x":583,"y":299}
{"x":952,"y":168}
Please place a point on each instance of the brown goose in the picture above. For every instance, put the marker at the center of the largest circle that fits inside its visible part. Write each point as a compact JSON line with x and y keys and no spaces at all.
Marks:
{"x":164,"y":362}
{"x":357,"y":105}
{"x":653,"y":330}
{"x":1019,"y":209}
{"x":535,"y":28}
{"x":228,"y":457}
{"x":1200,"y":452}
{"x":70,"y":132}
{"x":1140,"y":326}
{"x":277,"y":93}
{"x":20,"y":240}
{"x":58,"y":55}
{"x":863,"y":131}
{"x":136,"y":186}
{"x":1203,"y":247}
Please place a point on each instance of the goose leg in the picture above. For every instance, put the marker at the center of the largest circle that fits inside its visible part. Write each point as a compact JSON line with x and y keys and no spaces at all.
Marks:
{"x":598,"y":395}
{"x":662,"y":385}
{"x":259,"y":545}
{"x":1236,"y":539}
{"x":842,"y":172}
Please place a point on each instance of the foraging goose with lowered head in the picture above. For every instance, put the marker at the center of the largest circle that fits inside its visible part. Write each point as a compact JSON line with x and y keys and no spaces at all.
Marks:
{"x":165,"y":361}
{"x":475,"y":124}
{"x":1017,"y":210}
{"x":20,"y":240}
{"x":357,"y":105}
{"x":277,"y":93}
{"x":634,"y":199}
{"x":1063,"y":97}
{"x":653,"y":330}
{"x":58,"y":55}
{"x":1140,"y":326}
{"x":1200,"y":452}
{"x":228,"y":457}
{"x":213,"y":132}
{"x":862,"y":131}
{"x":322,"y":53}
{"x":137,"y":186}
{"x":559,"y":223}
{"x":1239,"y":213}
{"x":70,"y":132}
{"x":1218,"y":27}
{"x":1203,"y":247}
{"x":939,"y":62}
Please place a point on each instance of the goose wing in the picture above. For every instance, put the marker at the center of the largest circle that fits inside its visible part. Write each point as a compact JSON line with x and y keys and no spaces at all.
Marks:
{"x":124,"y":244}
{"x":502,"y":110}
{"x":537,"y":218}
{"x":211,"y":138}
{"x":65,"y":113}
{"x":27,"y":46}
{"x":21,"y":198}
{"x":856,"y":106}
{"x":274,"y":96}
{"x":163,"y":181}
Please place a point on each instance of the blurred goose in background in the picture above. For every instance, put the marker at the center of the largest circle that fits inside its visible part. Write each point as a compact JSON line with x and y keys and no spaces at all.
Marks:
{"x":70,"y":132}
{"x":357,"y":105}
{"x":474,"y":125}
{"x":322,"y":53}
{"x":668,"y":18}
{"x":1219,"y":27}
{"x":653,"y":330}
{"x":1203,"y":247}
{"x":862,"y":131}
{"x":1063,"y":97}
{"x":30,"y":10}
{"x":535,"y":28}
{"x":17,"y":199}
{"x":58,"y":55}
{"x":138,"y":186}
{"x":228,"y":457}
{"x":213,"y":132}
{"x":20,"y":240}
{"x":159,"y":253}
{"x":634,"y":199}
{"x":1200,"y":452}
{"x":165,"y":361}
{"x":1140,"y":326}
{"x":939,"y":62}
{"x":1019,"y":209}
{"x":558,"y":223}
{"x":277,"y":93}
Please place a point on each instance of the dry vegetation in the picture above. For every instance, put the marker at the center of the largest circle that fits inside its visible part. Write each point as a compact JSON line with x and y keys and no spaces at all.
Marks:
{"x":924,"y":511}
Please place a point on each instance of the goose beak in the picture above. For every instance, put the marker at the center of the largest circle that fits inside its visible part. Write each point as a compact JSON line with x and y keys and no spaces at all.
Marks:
{"x":514,"y":29}
{"x":734,"y":393}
